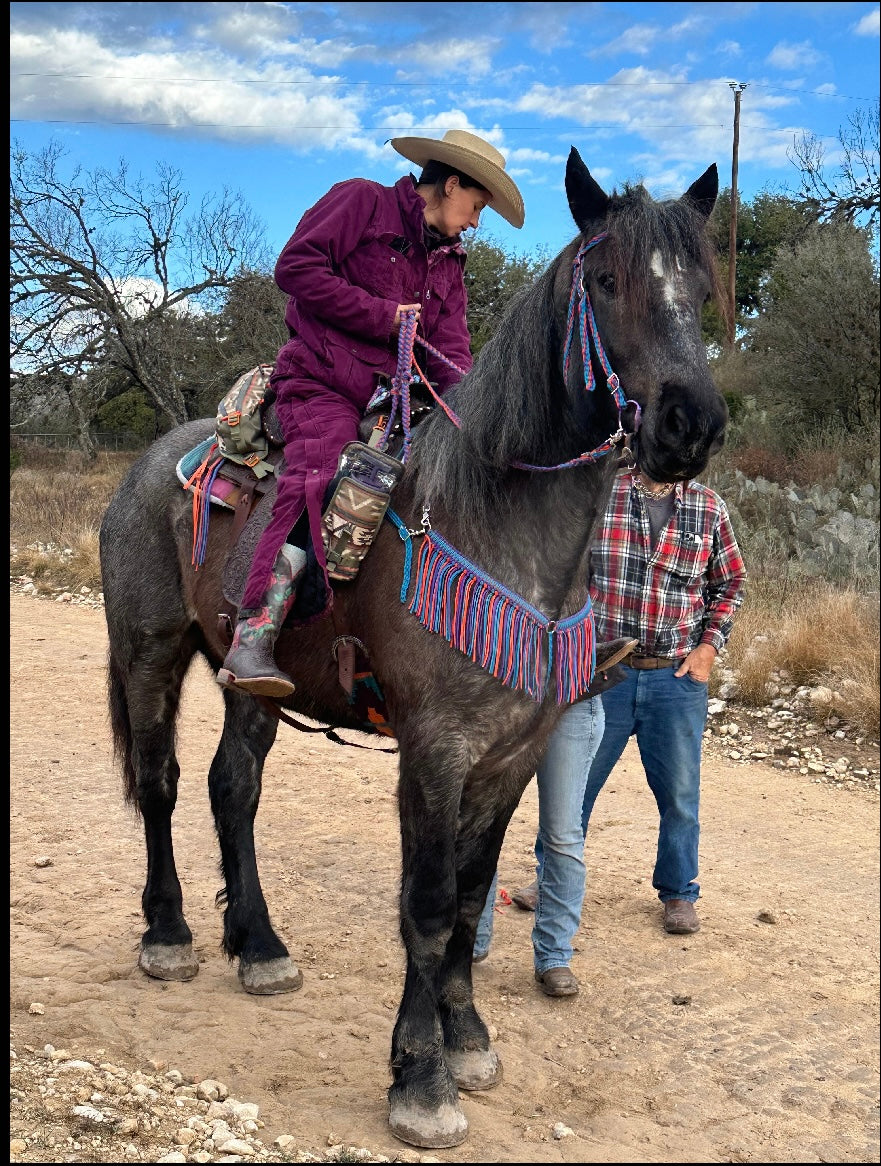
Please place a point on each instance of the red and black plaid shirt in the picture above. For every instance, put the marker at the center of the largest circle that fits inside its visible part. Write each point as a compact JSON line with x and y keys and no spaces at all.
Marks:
{"x":681,"y":594}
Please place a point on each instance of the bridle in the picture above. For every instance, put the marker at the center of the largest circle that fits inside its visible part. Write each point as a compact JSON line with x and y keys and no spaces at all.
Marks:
{"x":580,"y":309}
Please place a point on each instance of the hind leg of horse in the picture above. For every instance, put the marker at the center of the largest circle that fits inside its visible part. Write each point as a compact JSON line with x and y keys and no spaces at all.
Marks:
{"x":234,"y":784}
{"x":153,"y":694}
{"x":424,"y":1105}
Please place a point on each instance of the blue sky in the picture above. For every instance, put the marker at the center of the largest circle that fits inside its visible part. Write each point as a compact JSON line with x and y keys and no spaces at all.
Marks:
{"x":279,"y":100}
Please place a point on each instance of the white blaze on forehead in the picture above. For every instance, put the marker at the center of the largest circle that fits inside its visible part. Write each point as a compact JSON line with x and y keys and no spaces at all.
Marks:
{"x":669,"y":279}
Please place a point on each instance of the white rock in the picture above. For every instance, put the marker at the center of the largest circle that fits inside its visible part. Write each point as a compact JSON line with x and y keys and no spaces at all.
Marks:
{"x":89,"y":1113}
{"x":241,"y":1110}
{"x":237,"y":1146}
{"x":211,"y":1090}
{"x":563,"y":1131}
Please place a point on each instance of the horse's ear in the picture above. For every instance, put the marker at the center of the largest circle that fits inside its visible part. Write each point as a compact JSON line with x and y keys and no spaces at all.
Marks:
{"x":702,"y":194}
{"x":587,"y":199}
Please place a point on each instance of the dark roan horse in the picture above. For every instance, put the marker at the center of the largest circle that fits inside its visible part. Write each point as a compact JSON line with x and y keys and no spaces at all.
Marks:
{"x":468,"y":737}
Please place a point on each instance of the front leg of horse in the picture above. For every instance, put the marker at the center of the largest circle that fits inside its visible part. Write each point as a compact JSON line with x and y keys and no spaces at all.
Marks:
{"x":234,"y":783}
{"x":475,"y":1065}
{"x":424,"y":1105}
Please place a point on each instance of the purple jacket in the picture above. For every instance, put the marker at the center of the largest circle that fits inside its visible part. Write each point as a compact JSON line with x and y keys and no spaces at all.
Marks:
{"x":355,"y":255}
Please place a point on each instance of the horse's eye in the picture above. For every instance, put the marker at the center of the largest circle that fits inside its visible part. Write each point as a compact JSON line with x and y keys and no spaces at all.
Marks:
{"x":607,"y":283}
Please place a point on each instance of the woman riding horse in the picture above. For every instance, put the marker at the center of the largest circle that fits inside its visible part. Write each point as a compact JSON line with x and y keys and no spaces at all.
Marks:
{"x":359,"y":261}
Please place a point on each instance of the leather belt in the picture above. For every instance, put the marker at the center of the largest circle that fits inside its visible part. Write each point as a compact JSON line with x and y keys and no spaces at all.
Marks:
{"x":645,"y":662}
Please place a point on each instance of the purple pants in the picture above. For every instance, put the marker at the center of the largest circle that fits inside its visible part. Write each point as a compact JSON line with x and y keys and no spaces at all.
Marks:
{"x":317,"y":422}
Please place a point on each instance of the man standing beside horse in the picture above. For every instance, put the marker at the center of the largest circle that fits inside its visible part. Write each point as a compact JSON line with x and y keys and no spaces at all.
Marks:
{"x":666,"y":570}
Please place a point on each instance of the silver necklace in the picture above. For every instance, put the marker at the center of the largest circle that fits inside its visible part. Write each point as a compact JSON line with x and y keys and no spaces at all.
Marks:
{"x":653,"y":495}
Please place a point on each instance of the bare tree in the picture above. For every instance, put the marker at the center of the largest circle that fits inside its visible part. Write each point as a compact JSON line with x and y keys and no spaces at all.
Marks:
{"x":102,"y":261}
{"x":852,"y":190}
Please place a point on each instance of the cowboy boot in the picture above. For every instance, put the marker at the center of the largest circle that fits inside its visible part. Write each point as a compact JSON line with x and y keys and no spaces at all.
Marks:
{"x":249,"y":664}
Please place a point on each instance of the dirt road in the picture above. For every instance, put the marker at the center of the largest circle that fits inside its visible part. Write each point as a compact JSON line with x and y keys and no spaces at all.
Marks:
{"x":773,"y":1058}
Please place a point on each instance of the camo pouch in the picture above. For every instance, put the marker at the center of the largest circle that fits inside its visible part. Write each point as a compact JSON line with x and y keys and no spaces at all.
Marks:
{"x":349,"y":525}
{"x":357,"y":507}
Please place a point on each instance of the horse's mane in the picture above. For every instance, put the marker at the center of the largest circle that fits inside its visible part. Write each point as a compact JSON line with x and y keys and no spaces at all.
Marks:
{"x":513,"y":404}
{"x":503,"y":404}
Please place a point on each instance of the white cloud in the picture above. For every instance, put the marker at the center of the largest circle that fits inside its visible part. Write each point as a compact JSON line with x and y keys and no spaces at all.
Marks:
{"x":639,"y":39}
{"x":183,"y":89}
{"x":688,"y":126}
{"x":785,"y":55}
{"x":870,"y":24}
{"x":642,"y":38}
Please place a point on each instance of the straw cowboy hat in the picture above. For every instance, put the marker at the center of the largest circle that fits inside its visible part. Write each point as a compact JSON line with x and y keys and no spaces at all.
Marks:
{"x":474,"y":157}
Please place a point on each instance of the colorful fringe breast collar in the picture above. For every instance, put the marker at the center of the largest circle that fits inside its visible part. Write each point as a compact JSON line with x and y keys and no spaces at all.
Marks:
{"x":499,"y":630}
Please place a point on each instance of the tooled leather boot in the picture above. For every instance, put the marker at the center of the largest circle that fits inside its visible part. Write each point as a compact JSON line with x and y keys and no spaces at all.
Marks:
{"x":250,"y":665}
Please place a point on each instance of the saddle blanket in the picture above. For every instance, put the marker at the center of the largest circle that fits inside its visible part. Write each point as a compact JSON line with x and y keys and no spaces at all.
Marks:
{"x":223,"y":492}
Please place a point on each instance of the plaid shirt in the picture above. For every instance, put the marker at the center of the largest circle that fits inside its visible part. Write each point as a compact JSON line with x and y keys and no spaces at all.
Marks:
{"x":681,"y":594}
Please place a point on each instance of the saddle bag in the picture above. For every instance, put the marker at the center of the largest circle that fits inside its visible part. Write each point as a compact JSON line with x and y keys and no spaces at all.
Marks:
{"x":240,"y":423}
{"x":357,"y":506}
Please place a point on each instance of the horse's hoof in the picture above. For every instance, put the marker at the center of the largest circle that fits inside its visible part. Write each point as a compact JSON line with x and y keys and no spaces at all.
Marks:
{"x":168,"y":961}
{"x":432,"y":1129}
{"x":270,"y":977}
{"x":474,"y":1068}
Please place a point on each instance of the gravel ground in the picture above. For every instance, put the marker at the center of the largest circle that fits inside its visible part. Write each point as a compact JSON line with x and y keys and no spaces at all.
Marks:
{"x":64,"y":1108}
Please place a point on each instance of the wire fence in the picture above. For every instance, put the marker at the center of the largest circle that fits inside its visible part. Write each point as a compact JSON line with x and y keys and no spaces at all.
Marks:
{"x":122,"y":439}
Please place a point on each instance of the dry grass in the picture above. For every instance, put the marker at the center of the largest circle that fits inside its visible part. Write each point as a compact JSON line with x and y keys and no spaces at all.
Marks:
{"x":57,"y":501}
{"x":818,"y":635}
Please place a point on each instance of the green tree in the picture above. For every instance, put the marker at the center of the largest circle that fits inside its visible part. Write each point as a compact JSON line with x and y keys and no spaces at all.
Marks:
{"x":492,"y":278}
{"x":815,"y":345}
{"x":763,"y":225}
{"x":129,"y":411}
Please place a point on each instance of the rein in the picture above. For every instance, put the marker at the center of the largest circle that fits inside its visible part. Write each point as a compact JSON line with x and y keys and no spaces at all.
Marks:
{"x":579,"y":307}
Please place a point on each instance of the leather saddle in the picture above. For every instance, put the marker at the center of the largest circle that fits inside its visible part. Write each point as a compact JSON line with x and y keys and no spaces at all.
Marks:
{"x":253,"y":497}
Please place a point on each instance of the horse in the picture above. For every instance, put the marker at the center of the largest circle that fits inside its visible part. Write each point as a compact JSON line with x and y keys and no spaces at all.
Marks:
{"x":504,"y":485}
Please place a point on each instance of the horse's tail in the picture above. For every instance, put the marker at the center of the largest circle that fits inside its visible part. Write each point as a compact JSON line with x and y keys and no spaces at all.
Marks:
{"x":120,"y":726}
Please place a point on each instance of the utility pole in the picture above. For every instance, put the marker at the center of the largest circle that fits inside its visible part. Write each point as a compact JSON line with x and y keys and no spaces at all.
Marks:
{"x":738,"y":88}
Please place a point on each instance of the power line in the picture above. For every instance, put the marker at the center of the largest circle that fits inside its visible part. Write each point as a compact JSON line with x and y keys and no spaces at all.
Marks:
{"x":532,"y":129}
{"x":331,"y":83}
{"x":195,"y":125}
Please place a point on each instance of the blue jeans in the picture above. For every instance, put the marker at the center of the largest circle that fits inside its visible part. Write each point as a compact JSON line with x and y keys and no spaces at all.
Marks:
{"x":562,"y":776}
{"x":668,"y":716}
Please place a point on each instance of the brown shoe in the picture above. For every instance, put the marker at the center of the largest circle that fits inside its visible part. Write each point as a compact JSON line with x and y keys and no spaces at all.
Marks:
{"x":527,"y":897}
{"x":557,"y":982}
{"x":680,"y":917}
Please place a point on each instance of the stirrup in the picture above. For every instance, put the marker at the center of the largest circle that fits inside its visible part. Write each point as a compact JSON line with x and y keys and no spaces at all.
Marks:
{"x":276,"y":687}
